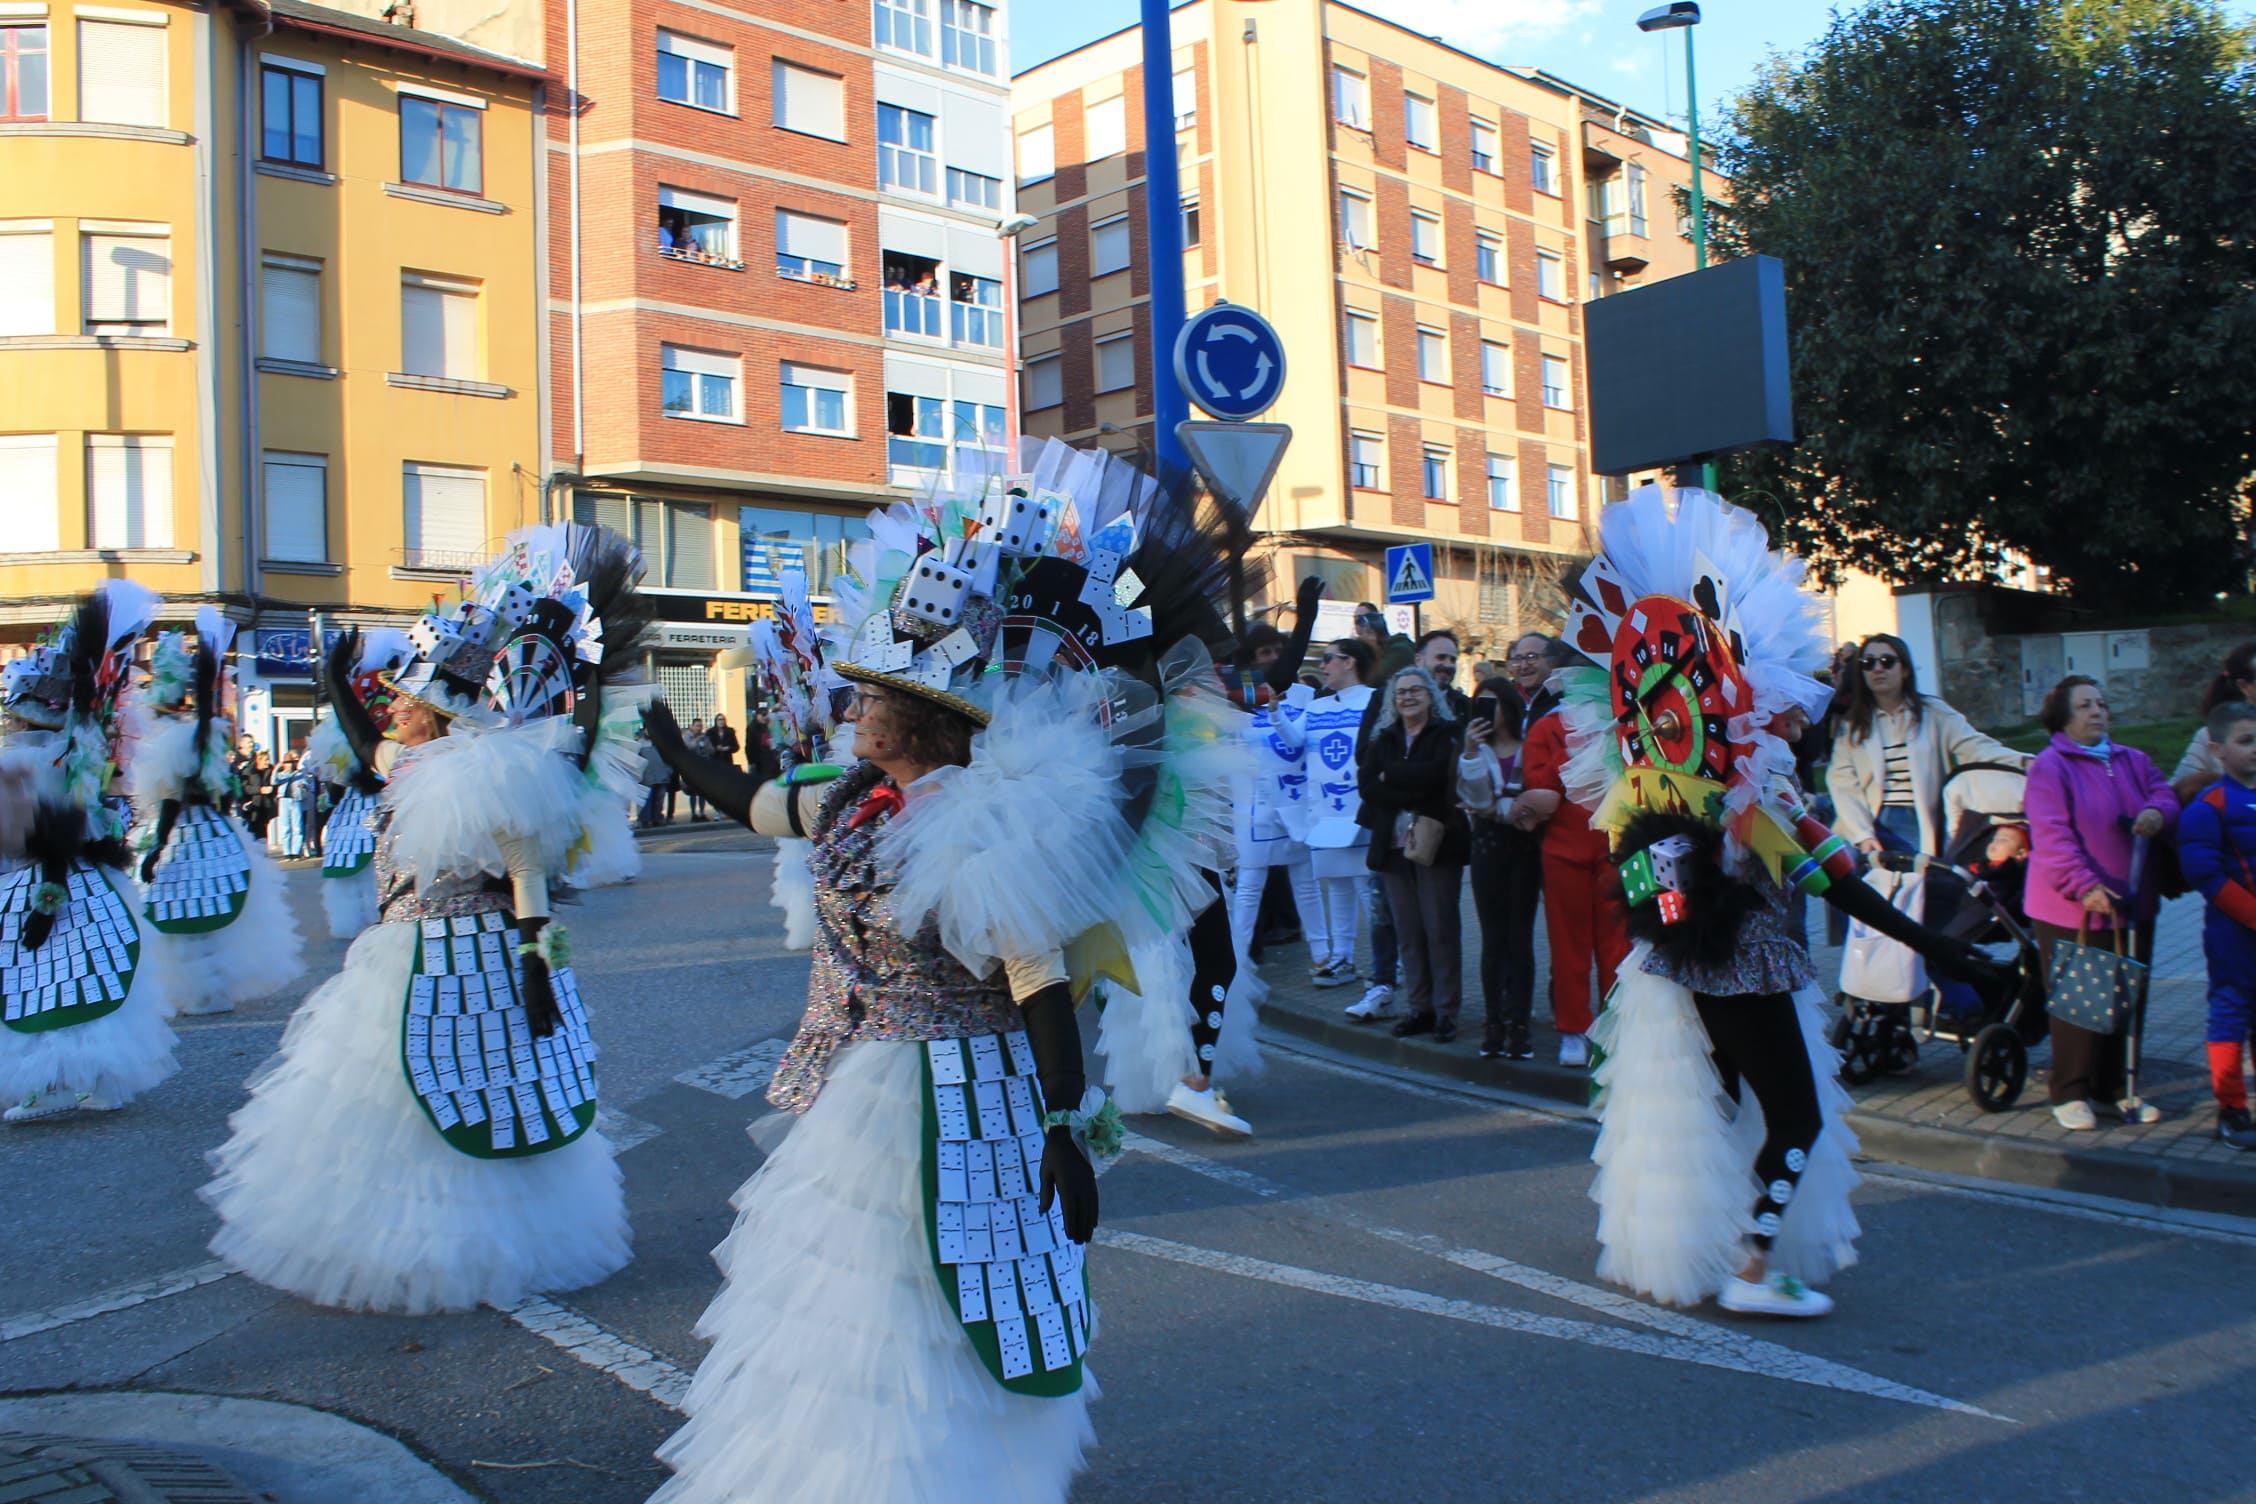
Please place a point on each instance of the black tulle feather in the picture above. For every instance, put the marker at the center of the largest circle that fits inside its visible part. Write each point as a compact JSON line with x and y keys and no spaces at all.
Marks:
{"x":1191,"y":559}
{"x":1716,"y":904}
{"x":205,"y":691}
{"x":90,"y":640}
{"x":612,"y":568}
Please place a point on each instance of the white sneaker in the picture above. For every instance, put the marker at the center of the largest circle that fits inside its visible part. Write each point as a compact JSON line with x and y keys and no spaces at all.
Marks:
{"x":97,"y":1101}
{"x":1209,"y":1109}
{"x":1779,"y":1295}
{"x":2132,"y":1110}
{"x":2076,"y":1117}
{"x":47,"y":1104}
{"x":1332,"y":973}
{"x":1573,"y":1050}
{"x":1376,"y":1003}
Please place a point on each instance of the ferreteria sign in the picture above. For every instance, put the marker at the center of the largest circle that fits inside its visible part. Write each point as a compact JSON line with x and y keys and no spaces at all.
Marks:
{"x":718,"y":610}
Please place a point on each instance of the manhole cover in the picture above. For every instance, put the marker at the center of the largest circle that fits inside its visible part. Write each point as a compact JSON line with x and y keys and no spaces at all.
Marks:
{"x":41,"y":1469}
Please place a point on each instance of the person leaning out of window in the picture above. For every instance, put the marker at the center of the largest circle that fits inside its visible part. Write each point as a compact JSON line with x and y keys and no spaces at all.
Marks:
{"x":1895,"y":748}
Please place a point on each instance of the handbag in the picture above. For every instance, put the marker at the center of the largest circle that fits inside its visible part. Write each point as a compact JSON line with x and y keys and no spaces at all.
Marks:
{"x":2094,"y":987}
{"x":1422,"y":842}
{"x":1874,"y":967}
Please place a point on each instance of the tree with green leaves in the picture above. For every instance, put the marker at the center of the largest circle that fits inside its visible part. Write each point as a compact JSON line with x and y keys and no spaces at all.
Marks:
{"x":2020,"y":250}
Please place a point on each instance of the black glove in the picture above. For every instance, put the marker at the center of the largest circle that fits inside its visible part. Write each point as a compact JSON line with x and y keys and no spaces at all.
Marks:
{"x":353,"y":718}
{"x":538,"y":992}
{"x":1067,"y":1176}
{"x":723,"y":785}
{"x":167,"y":813}
{"x":37,"y":926}
{"x":1952,"y":957}
{"x":1286,"y":670}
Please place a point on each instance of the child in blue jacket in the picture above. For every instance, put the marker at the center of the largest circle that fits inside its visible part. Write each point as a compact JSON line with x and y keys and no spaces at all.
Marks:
{"x":2217,"y":843}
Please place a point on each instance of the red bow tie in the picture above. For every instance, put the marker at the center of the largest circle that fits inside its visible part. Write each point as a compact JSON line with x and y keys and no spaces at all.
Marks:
{"x":883,"y":799}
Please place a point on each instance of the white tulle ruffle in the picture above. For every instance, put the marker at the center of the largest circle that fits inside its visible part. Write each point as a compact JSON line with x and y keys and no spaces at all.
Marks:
{"x":467,"y":793}
{"x":349,"y":903}
{"x":1144,"y":1037}
{"x":160,"y":757}
{"x":119,"y":1055}
{"x":254,"y":957}
{"x":335,"y":1187}
{"x":839,"y":1373}
{"x":792,"y":889}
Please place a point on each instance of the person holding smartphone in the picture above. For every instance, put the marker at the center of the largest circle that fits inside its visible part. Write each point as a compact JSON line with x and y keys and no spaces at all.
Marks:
{"x":1507,"y":868}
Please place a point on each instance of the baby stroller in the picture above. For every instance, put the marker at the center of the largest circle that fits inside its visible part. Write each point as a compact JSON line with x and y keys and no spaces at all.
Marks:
{"x":1973,"y":893}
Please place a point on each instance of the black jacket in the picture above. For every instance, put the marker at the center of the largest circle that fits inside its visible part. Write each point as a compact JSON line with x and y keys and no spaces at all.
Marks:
{"x":1421,"y":779}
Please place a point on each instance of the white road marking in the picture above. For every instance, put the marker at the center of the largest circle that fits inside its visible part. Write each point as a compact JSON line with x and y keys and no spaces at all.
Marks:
{"x":116,"y":1298}
{"x":636,"y":1367}
{"x":2214,"y":1227}
{"x":739,"y":1074}
{"x":623,"y":1131}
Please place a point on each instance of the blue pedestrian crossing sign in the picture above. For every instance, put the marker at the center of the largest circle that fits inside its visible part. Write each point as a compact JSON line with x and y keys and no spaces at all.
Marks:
{"x":1409,"y":573}
{"x":1230,"y":362}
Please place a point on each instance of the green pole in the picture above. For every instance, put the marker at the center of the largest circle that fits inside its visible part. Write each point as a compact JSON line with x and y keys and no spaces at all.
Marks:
{"x":1699,"y":197}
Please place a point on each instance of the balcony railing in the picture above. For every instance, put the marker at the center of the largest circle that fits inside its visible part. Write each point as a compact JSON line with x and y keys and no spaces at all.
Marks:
{"x":691,"y":251}
{"x":441,"y":560}
{"x":808,"y":269}
{"x":975,"y":324}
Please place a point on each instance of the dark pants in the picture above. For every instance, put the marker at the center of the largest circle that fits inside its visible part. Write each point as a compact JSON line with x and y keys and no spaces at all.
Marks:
{"x":2088,"y":1067}
{"x":1429,"y":928}
{"x":653,"y":803}
{"x":1507,"y":875}
{"x":1757,"y":1039}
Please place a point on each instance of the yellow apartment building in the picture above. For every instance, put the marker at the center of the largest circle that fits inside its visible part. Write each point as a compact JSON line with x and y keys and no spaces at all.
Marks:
{"x":1422,"y":226}
{"x":269,"y":286}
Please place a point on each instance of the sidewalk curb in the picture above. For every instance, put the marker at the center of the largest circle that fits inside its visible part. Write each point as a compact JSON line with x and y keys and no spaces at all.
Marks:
{"x":1533,"y":1078}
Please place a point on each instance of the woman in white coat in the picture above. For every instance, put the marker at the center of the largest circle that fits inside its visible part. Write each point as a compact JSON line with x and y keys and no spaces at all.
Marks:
{"x":1895,"y":749}
{"x":1335,"y":842}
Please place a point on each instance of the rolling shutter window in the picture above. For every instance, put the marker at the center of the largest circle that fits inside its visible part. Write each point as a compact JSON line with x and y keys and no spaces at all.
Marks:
{"x":439,"y":331}
{"x":297,"y":507}
{"x":128,"y":283}
{"x":290,"y":311}
{"x":27,"y":282}
{"x":689,"y":548}
{"x":604,"y":510}
{"x":129,"y":491}
{"x":805,"y":235}
{"x":30,"y":510}
{"x":121,"y":73}
{"x":445,"y":514}
{"x":811,"y":103}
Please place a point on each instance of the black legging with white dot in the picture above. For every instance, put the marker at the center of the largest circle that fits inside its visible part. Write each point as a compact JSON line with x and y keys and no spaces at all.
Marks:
{"x":1757,"y":1039}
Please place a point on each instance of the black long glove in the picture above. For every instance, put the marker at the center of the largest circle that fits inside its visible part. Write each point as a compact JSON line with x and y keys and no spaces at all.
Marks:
{"x":1951,"y":956}
{"x":38,"y":926}
{"x":724,"y":786}
{"x":1285,"y":672}
{"x":167,"y":813}
{"x":353,"y":718}
{"x":1067,"y":1176}
{"x":539,"y":990}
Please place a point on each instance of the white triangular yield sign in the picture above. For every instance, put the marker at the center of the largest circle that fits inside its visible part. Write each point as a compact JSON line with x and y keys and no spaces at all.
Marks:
{"x":1409,"y":579}
{"x":1237,"y":459}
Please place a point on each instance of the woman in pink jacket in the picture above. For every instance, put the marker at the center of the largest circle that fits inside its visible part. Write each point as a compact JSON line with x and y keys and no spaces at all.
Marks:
{"x":2089,"y":801}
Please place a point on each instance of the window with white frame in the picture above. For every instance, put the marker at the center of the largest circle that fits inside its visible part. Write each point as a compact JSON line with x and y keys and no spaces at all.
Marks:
{"x":1106,"y":128}
{"x":1433,"y":355}
{"x":810,"y":102}
{"x":1116,"y":363}
{"x":122,"y":73}
{"x":975,"y":310}
{"x":1433,"y":473}
{"x":438,"y":328}
{"x":1037,"y":269}
{"x":1045,"y":382}
{"x":1355,"y":220}
{"x":1556,"y":392}
{"x":1484,"y":146}
{"x":1543,"y":166}
{"x":905,"y":159}
{"x":1037,"y":154}
{"x":916,"y":431}
{"x":27,"y":276}
{"x":30,"y":494}
{"x":698,"y":384}
{"x":816,"y":400}
{"x":1190,"y":224}
{"x":1561,"y":484}
{"x":1550,"y":276}
{"x":1108,"y":246}
{"x":290,"y":308}
{"x":296,"y":492}
{"x":978,"y":436}
{"x":443,"y":516}
{"x":1488,"y":257}
{"x":126,"y":279}
{"x":128,"y":490}
{"x":967,"y":36}
{"x":810,"y":248}
{"x":1366,"y":462}
{"x":1363,"y":339}
{"x":1186,"y":99}
{"x":443,"y":142}
{"x":1425,"y":239}
{"x":696,"y":226}
{"x":1503,"y":486}
{"x":974,"y":190}
{"x":903,"y":26}
{"x":1418,"y":127}
{"x":1496,"y":368}
{"x":1636,"y":176}
{"x":1351,"y":98}
{"x":696,"y":73}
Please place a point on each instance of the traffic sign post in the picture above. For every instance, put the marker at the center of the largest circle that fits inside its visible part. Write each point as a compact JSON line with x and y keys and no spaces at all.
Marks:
{"x":1230,"y":361}
{"x":1237,"y":459}
{"x":1409,"y":573}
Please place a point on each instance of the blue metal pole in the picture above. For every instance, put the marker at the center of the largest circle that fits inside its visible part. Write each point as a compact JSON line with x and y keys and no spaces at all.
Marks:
{"x":1163,"y":237}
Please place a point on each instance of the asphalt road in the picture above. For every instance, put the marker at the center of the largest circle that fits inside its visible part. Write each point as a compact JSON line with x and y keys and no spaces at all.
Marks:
{"x":1388,"y":1294}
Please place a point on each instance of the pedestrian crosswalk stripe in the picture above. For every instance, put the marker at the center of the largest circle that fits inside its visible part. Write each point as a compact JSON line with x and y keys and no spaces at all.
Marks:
{"x":740,"y":1073}
{"x":116,"y":1298}
{"x":589,"y":1342}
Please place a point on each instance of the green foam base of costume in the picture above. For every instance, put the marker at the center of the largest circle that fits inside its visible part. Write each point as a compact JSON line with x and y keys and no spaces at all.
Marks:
{"x":85,"y":1013}
{"x":475,"y":1139}
{"x":202,"y":924}
{"x":358,"y":865}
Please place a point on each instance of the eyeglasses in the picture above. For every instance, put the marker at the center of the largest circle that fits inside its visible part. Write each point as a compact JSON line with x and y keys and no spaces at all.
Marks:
{"x":1333,"y":658}
{"x":1525,"y":658}
{"x":1883,"y":660}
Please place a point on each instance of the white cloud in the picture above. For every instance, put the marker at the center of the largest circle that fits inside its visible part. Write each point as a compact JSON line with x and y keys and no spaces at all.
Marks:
{"x":1496,"y":29}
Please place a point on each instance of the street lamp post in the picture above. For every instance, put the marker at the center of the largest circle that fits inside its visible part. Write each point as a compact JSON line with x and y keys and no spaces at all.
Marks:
{"x":1684,"y":15}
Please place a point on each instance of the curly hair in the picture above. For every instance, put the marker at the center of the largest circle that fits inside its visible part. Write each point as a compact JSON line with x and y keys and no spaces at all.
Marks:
{"x":927,"y":731}
{"x":1413,"y":675}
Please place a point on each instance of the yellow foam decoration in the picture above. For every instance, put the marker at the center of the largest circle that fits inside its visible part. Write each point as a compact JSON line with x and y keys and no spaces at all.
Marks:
{"x":1660,"y":791}
{"x":1099,"y":952}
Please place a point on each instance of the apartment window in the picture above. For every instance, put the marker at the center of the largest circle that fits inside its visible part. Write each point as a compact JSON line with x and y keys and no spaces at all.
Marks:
{"x":290,"y":309}
{"x":905,"y":160}
{"x":975,"y":310}
{"x":1433,"y":355}
{"x":979,"y":436}
{"x":1351,"y":98}
{"x":1561,"y":486}
{"x":817,"y":401}
{"x":1636,"y":175}
{"x":439,"y":328}
{"x":1107,"y":128}
{"x":1116,"y":363}
{"x":1550,"y":276}
{"x":676,"y":539}
{"x":1484,"y":146}
{"x":296,"y":490}
{"x":811,"y":103}
{"x":699,"y":74}
{"x":1597,"y":286}
{"x":1045,"y":383}
{"x":23,"y":73}
{"x":810,"y":249}
{"x":1108,"y":246}
{"x":1425,"y":239}
{"x":27,"y":278}
{"x":1363,"y":339}
{"x":443,"y":512}
{"x":1433,"y":472}
{"x":121,"y":73}
{"x":916,"y":431}
{"x":442,"y":144}
{"x":127,"y":282}
{"x":698,"y":384}
{"x":289,"y":115}
{"x":30,"y":496}
{"x":912,"y":295}
{"x":1555,"y":392}
{"x":1186,"y":99}
{"x":1544,"y":165}
{"x":1496,"y":368}
{"x":904,"y":26}
{"x":967,"y":36}
{"x":1355,"y":220}
{"x":1366,"y":462}
{"x":129,"y":490}
{"x":1037,"y":155}
{"x":1488,"y":258}
{"x":1418,"y":122}
{"x":1190,"y":223}
{"x":1037,"y":269}
{"x":974,"y":190}
{"x":1503,"y":488}
{"x":696,"y":227}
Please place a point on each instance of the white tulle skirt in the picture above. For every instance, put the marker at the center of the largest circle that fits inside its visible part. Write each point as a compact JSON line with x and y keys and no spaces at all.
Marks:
{"x":118,"y":1056}
{"x":335,"y":1186}
{"x":1144,"y":1038}
{"x":839,"y":1372}
{"x":791,"y":888}
{"x":349,"y":902}
{"x":259,"y":954}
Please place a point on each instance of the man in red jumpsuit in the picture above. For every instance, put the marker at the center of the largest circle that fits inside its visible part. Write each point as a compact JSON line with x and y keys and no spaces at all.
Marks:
{"x":1582,"y":897}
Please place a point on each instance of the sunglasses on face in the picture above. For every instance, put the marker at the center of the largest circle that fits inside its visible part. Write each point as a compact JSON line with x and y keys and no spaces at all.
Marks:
{"x":1882,"y":660}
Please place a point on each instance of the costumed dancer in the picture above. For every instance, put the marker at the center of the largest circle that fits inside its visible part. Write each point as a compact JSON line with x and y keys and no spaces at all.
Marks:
{"x":905,"y":1313}
{"x":424,"y":1140}
{"x":222,"y":928}
{"x":84,"y":1019}
{"x":348,"y":841}
{"x":1698,"y":648}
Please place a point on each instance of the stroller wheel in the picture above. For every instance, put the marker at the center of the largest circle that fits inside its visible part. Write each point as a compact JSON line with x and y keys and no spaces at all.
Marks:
{"x":1996,"y":1068}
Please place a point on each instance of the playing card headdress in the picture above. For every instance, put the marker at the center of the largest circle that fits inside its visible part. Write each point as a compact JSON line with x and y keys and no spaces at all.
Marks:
{"x":72,"y":681}
{"x":788,"y":655}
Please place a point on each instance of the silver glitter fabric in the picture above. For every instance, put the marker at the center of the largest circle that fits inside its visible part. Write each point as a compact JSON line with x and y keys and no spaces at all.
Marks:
{"x":870,"y":981}
{"x":397,"y":896}
{"x":1773,"y":952}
